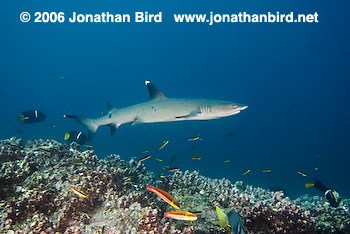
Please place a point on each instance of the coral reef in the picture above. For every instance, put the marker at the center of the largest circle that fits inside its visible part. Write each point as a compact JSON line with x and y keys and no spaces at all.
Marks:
{"x":36,"y":198}
{"x":261,"y":210}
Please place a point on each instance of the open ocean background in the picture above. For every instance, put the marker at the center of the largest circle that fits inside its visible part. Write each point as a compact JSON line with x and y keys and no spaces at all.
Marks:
{"x":293,"y":77}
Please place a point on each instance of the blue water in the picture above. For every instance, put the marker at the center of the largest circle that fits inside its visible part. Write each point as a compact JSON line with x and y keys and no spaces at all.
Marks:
{"x":293,"y":77}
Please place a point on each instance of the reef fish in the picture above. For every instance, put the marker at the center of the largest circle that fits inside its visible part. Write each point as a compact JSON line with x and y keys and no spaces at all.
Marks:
{"x":78,"y":192}
{"x":196,"y":212}
{"x":193,"y":138}
{"x":236,"y":223}
{"x":181,"y":215}
{"x":165,"y":196}
{"x":74,"y":136}
{"x":163,"y":145}
{"x":302,"y":173}
{"x":144,"y":158}
{"x":222,"y":217}
{"x":31,"y":116}
{"x":160,"y":109}
{"x":309,"y":185}
{"x":173,"y":169}
{"x":88,"y":146}
{"x":246,"y":172}
{"x":43,"y":150}
{"x":229,"y":134}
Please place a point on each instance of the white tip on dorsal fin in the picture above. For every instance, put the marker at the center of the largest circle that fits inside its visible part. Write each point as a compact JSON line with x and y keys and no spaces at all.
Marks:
{"x":154,"y":92}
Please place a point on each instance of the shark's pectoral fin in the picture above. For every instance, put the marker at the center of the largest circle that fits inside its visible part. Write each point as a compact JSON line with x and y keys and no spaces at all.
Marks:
{"x":192,"y":114}
{"x":113,"y":127}
{"x":136,"y":121}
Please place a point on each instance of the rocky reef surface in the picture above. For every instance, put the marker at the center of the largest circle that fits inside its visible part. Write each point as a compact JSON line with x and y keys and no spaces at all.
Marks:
{"x":35,"y":197}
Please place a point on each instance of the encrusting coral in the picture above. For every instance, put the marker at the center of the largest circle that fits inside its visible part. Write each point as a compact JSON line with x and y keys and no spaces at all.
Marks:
{"x":37,"y":181}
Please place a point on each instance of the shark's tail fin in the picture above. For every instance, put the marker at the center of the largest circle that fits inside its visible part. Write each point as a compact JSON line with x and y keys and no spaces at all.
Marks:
{"x":90,"y":124}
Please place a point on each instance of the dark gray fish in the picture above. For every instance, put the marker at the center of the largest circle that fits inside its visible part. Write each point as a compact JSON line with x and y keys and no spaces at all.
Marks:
{"x":230,"y":134}
{"x":75,"y":136}
{"x":19,"y":131}
{"x":173,"y":158}
{"x":193,"y":147}
{"x":31,"y":116}
{"x":236,"y":223}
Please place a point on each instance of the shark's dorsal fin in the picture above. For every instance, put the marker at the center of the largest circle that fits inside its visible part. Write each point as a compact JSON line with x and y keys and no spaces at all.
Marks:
{"x":154,"y":92}
{"x":110,"y":108}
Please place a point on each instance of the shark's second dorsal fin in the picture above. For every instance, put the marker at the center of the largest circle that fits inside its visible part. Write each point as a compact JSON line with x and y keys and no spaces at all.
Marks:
{"x":154,"y":92}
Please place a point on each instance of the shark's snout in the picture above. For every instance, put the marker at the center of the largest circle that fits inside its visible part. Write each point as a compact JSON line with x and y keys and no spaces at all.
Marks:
{"x":242,"y":107}
{"x":237,"y":109}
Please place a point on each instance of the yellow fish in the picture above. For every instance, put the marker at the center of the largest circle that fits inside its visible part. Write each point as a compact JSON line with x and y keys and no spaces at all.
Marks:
{"x":193,"y":138}
{"x":88,"y":146}
{"x":160,"y":160}
{"x":266,"y":171}
{"x":302,"y":173}
{"x":223,"y":220}
{"x":66,"y":136}
{"x":319,"y":156}
{"x":144,"y":158}
{"x":145,"y":151}
{"x":246,"y":172}
{"x":165,"y":166}
{"x":196,"y":158}
{"x":43,"y":150}
{"x":227,"y":161}
{"x":181,"y":215}
{"x":163,"y":145}
{"x":78,"y":192}
{"x":196,"y":212}
{"x":309,"y":185}
{"x":174,"y":169}
{"x":77,"y":163}
{"x":133,"y":157}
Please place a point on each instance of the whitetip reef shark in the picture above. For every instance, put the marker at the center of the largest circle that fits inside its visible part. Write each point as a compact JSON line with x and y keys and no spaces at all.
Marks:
{"x":160,"y":109}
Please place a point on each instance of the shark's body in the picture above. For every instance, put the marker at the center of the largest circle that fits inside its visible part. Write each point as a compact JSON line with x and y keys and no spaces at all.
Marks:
{"x":161,"y":109}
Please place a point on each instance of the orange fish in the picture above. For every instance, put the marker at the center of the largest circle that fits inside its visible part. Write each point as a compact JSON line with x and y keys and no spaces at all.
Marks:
{"x":181,"y":215}
{"x":165,"y":196}
{"x":78,"y":192}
